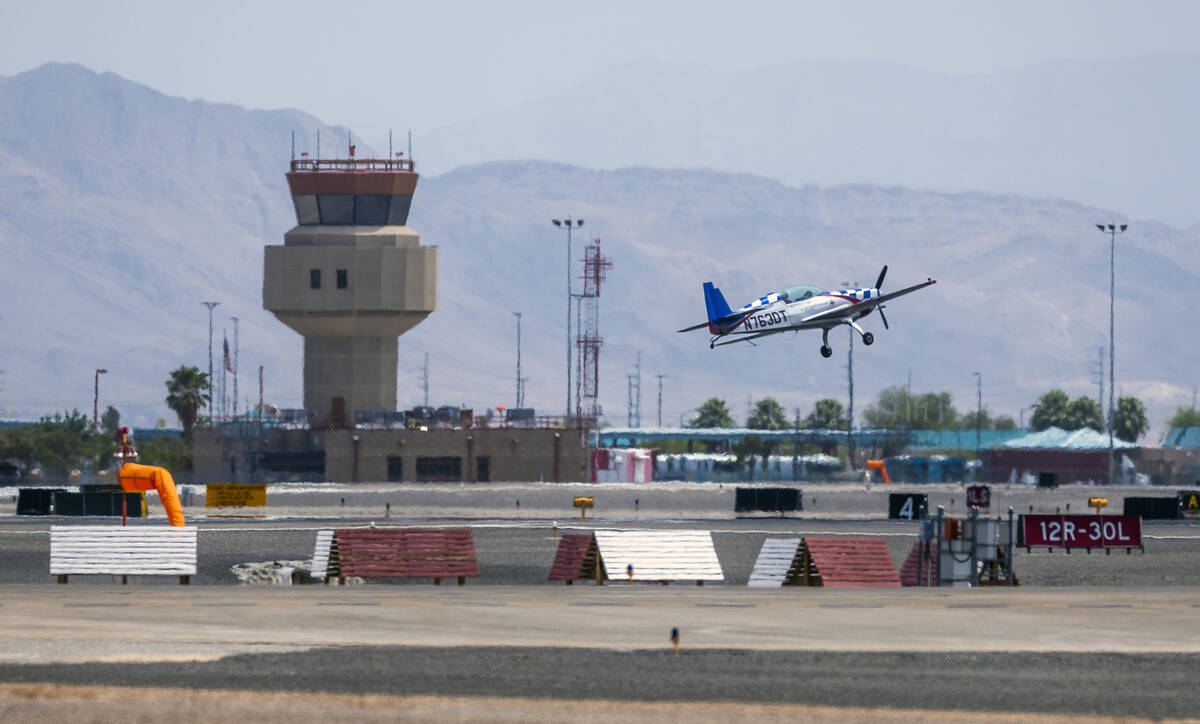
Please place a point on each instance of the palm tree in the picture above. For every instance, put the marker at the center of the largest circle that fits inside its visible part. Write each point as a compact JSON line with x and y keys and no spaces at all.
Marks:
{"x":186,"y":393}
{"x":1129,"y":420}
{"x":713,"y":413}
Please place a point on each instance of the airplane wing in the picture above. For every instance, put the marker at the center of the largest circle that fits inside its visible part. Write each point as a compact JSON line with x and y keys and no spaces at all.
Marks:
{"x":907,"y":290}
{"x":821,"y":319}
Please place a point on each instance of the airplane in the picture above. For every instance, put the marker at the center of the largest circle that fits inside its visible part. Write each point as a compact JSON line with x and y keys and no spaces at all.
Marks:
{"x":796,"y":308}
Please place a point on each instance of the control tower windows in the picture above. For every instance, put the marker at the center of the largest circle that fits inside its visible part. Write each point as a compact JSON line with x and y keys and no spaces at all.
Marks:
{"x":314,"y":278}
{"x":371,"y":209}
{"x":352,"y":209}
{"x":343,"y":280}
{"x":306,"y":209}
{"x":336,"y":209}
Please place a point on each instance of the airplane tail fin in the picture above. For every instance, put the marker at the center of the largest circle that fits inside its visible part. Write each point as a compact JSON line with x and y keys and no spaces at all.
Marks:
{"x":715,"y":304}
{"x":717,"y":308}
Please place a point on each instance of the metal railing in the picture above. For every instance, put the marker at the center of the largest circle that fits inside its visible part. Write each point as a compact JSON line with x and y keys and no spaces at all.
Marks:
{"x":345,"y":165}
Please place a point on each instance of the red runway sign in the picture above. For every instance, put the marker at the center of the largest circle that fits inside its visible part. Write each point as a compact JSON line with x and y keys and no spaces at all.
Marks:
{"x":979,"y":496}
{"x":1082,"y":531}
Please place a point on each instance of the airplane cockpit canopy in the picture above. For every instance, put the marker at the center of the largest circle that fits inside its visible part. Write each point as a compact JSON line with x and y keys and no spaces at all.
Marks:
{"x":799,"y":292}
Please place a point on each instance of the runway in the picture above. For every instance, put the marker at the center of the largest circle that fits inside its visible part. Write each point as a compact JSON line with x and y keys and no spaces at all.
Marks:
{"x":1131,"y":652}
{"x":1084,"y":635}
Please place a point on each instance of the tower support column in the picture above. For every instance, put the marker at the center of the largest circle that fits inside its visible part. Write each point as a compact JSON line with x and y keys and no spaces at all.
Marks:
{"x":358,"y":371}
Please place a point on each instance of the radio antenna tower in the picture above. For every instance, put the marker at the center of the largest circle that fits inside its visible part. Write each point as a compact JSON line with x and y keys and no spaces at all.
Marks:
{"x":595,"y":270}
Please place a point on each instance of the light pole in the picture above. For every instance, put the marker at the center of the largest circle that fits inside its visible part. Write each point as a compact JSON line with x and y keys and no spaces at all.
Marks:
{"x":96,"y":402}
{"x":211,"y":306}
{"x":236,"y":352}
{"x":850,"y":376}
{"x":519,"y":395}
{"x":570,"y":225}
{"x":1112,"y":230}
{"x":978,"y":412}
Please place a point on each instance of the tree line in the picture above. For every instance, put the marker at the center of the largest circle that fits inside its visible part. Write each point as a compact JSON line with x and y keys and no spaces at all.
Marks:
{"x":898,"y":408}
{"x":66,"y":441}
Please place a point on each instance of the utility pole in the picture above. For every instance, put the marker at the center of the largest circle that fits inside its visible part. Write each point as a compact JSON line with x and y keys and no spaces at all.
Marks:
{"x":425,"y":379}
{"x":629,"y":400}
{"x":236,"y":358}
{"x":660,"y":379}
{"x":1112,"y":232}
{"x":95,"y":402}
{"x":261,"y":408}
{"x":637,"y":385}
{"x":908,"y":400}
{"x":520,"y":397}
{"x":979,"y":412}
{"x":210,"y":306}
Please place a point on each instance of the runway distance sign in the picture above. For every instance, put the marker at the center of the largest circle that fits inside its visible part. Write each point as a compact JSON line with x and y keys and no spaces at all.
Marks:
{"x":907,"y":506}
{"x":235,"y":495}
{"x":1082,"y":531}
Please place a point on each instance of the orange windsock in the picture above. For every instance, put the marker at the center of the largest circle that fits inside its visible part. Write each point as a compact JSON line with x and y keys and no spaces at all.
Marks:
{"x":148,"y":477}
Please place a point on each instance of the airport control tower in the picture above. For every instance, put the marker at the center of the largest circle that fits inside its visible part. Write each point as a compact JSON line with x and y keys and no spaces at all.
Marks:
{"x":351,"y":277}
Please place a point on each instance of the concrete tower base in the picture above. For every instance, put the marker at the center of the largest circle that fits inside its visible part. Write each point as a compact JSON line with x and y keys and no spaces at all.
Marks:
{"x":343,"y":375}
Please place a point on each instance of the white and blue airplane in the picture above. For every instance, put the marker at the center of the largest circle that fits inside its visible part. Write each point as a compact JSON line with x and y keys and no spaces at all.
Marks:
{"x":796,"y":308}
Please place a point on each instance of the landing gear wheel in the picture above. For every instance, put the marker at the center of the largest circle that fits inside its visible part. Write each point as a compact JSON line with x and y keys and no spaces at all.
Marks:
{"x":868,"y":339}
{"x":826,"y":352}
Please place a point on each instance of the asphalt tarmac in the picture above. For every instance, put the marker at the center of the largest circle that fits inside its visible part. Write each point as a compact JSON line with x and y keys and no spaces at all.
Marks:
{"x":1091,"y":635}
{"x":1128,"y":685}
{"x":522,"y":551}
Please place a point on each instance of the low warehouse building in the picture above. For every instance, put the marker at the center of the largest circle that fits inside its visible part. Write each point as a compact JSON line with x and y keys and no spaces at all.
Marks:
{"x":1054,"y":457}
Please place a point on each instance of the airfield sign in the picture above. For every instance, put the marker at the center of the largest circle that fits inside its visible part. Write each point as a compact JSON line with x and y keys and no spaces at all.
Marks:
{"x":1189,"y":503}
{"x":1081,"y":531}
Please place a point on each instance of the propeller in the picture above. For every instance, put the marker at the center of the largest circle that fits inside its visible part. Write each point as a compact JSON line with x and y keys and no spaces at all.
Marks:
{"x":878,"y":284}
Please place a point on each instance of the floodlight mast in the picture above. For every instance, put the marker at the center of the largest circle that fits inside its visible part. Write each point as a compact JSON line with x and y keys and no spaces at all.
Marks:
{"x":569,"y":223}
{"x":1112,"y":230}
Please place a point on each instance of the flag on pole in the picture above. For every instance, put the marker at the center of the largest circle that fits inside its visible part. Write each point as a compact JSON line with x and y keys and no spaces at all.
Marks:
{"x":228,"y":357}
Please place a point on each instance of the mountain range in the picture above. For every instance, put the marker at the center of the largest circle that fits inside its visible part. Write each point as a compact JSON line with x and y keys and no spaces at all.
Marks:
{"x":125,"y":208}
{"x":1115,"y":134}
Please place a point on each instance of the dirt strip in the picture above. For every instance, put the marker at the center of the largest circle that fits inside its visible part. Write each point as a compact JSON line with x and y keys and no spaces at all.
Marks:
{"x":20,"y":703}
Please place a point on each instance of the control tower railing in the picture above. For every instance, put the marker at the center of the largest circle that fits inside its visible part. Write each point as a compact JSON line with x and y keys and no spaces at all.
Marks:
{"x":350,"y":165}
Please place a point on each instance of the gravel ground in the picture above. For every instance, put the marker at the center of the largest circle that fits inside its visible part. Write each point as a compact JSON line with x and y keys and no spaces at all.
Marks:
{"x":1102,"y":684}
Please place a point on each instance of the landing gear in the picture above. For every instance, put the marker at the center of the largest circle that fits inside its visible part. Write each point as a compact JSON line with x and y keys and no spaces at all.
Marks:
{"x":826,"y":350}
{"x":868,"y":339}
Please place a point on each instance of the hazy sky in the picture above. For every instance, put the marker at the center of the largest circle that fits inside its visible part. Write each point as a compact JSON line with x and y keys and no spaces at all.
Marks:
{"x":374,"y":65}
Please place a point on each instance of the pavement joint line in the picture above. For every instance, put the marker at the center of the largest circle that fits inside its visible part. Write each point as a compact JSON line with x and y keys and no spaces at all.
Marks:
{"x":1100,"y":605}
{"x":348,"y":603}
{"x":725,"y":605}
{"x":851,"y":605}
{"x":223,"y":603}
{"x":976,"y":605}
{"x":96,"y":605}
